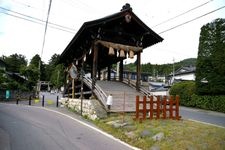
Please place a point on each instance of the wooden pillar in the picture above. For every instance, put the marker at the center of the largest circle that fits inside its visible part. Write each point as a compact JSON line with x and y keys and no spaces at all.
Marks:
{"x":138,"y":71}
{"x":94,"y":67}
{"x":99,"y":74}
{"x":73,"y":88}
{"x":65,"y":83}
{"x":121,"y":71}
{"x":109,"y":73}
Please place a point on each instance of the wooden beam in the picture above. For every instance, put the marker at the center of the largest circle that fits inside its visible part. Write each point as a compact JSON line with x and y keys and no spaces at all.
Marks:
{"x":119,"y":46}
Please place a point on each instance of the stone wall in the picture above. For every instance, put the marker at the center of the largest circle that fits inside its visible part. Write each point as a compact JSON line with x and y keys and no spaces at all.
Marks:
{"x":91,"y":107}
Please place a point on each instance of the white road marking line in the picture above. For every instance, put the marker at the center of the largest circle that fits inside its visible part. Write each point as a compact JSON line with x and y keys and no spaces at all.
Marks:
{"x":206,"y":123}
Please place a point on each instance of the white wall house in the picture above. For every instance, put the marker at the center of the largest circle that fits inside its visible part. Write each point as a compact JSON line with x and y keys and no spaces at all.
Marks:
{"x":182,"y":74}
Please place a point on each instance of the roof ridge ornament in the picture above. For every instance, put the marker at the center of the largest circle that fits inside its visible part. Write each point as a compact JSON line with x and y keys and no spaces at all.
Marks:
{"x":126,"y":7}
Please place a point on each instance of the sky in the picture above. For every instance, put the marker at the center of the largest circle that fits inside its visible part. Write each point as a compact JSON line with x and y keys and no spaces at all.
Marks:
{"x":25,"y":36}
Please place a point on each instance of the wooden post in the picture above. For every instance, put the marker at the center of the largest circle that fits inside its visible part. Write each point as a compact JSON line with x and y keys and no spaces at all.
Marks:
{"x":177,"y":108}
{"x":138,"y":71}
{"x":94,"y":67}
{"x":164,"y":107}
{"x":158,"y":107}
{"x":144,"y":108}
{"x":121,"y":71}
{"x":99,"y":74}
{"x":73,"y":88}
{"x":151,"y":107}
{"x":65,"y":83}
{"x":137,"y":107}
{"x":109,"y":73}
{"x":171,"y":107}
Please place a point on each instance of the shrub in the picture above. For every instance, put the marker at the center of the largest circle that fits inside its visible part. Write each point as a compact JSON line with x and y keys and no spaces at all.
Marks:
{"x":214,"y":103}
{"x":185,"y":90}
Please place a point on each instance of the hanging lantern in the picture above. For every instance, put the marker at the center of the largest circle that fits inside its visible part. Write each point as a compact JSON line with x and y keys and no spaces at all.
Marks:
{"x":118,"y":53}
{"x":131,"y":54}
{"x":111,"y":51}
{"x":122,"y":53}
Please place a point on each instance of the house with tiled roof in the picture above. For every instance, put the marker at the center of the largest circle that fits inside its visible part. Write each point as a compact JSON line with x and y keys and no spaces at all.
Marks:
{"x":186,"y":73}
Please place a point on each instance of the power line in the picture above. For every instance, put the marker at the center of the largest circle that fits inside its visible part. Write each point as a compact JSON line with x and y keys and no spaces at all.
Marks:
{"x":192,"y":20}
{"x":21,"y":18}
{"x":34,"y":18}
{"x":182,"y":14}
{"x":41,"y":23}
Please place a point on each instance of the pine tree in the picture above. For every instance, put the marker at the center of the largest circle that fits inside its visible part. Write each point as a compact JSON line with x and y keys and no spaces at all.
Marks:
{"x":210,"y":69}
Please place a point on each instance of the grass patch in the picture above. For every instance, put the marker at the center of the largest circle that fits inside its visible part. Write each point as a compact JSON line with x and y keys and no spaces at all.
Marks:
{"x":181,"y":134}
{"x":49,"y":102}
{"x":36,"y":101}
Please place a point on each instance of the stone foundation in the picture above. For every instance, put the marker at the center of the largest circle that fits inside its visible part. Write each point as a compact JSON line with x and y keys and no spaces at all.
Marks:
{"x":91,"y":107}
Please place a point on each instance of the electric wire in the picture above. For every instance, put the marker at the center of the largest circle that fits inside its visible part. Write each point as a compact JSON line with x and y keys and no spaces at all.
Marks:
{"x":33,"y":21}
{"x":182,"y":14}
{"x":191,"y":20}
{"x":34,"y":18}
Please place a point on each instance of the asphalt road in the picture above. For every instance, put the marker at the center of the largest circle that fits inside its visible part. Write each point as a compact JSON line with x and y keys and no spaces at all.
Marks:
{"x":31,"y":128}
{"x":205,"y":116}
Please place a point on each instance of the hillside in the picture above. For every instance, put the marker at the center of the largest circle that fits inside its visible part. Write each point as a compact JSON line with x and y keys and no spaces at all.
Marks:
{"x":164,"y":69}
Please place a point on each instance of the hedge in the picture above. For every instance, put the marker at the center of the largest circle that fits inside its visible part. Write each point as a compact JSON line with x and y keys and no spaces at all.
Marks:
{"x":214,"y":103}
{"x":186,"y":91}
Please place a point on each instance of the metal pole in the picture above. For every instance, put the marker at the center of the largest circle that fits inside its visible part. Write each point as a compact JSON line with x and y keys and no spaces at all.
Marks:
{"x":29,"y":100}
{"x":43,"y":101}
{"x":57,"y":101}
{"x":17,"y":100}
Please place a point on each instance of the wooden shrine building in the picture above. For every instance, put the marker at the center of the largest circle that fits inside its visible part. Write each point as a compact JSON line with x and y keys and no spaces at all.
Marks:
{"x":103,"y":42}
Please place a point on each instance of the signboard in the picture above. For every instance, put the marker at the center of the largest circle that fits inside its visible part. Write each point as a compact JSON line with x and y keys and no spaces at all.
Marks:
{"x":73,"y":72}
{"x":7,"y":94}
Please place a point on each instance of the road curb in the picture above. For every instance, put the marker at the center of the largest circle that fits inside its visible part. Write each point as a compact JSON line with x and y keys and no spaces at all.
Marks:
{"x":206,"y":123}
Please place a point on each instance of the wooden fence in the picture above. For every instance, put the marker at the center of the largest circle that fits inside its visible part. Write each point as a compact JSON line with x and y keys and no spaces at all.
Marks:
{"x":157,"y":107}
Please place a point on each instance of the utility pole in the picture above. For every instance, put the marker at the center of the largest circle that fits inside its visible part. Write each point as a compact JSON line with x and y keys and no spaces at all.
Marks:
{"x":173,"y":69}
{"x":43,"y":45}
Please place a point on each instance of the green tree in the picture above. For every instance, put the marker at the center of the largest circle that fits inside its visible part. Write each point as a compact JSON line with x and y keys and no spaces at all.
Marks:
{"x":15,"y":62}
{"x":36,"y":63}
{"x":210,"y":69}
{"x":51,"y":66}
{"x":57,"y":76}
{"x":31,"y":72}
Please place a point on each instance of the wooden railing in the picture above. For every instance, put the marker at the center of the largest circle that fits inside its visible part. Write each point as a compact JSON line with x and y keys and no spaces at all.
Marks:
{"x":101,"y":95}
{"x":133,"y":84}
{"x":161,"y":108}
